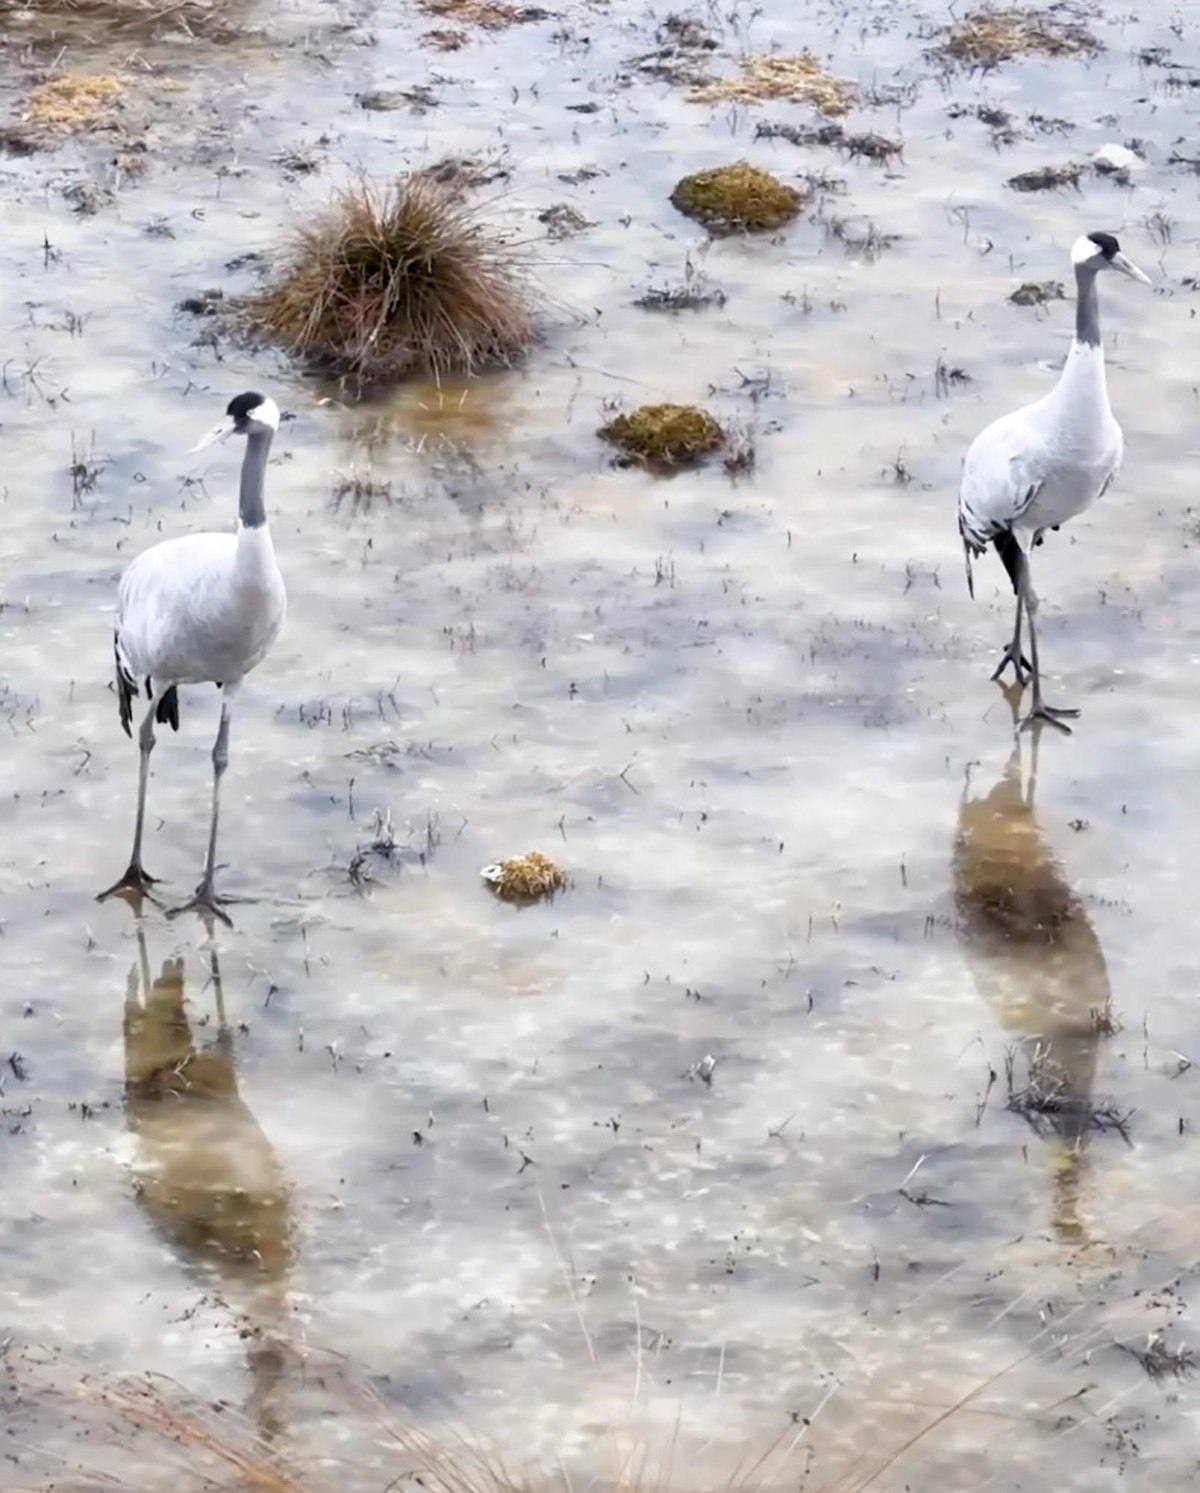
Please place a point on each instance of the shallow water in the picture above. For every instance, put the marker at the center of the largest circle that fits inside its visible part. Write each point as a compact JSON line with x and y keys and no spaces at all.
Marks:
{"x":470,"y":1147}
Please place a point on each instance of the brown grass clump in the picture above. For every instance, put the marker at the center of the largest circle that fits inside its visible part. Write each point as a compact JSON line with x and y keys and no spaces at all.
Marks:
{"x":800,"y":80}
{"x":387,"y":283}
{"x":986,"y":38}
{"x":665,"y":435}
{"x":525,"y":878}
{"x":75,"y":101}
{"x":737,"y":198}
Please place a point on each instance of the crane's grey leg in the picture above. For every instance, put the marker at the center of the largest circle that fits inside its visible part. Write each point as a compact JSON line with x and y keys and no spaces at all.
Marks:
{"x":1053,"y":714}
{"x":1013,"y":653}
{"x":1012,"y":556}
{"x":206,"y":899}
{"x":135,"y":881}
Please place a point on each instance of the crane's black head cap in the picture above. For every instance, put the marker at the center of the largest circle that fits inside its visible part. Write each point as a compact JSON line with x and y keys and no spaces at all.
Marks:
{"x":1105,"y":242}
{"x":242,"y":406}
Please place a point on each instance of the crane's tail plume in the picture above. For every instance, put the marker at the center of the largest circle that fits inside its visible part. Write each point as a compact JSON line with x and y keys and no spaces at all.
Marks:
{"x":167,"y":711}
{"x":968,"y":551}
{"x":126,"y":688}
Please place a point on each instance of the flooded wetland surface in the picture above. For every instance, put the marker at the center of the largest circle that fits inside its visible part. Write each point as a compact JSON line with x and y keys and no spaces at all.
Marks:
{"x":847,"y":1093}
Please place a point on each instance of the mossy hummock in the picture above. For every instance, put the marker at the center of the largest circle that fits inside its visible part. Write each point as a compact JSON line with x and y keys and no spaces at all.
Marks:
{"x":737,"y":199}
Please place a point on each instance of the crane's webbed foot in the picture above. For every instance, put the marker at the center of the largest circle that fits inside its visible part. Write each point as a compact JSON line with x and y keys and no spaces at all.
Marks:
{"x":206,"y":903}
{"x":134,"y":886}
{"x":1052,"y":715}
{"x":1022,"y":668}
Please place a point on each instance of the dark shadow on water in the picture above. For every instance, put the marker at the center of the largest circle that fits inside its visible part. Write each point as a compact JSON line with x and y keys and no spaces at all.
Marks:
{"x":1038,"y":965}
{"x":209,"y":1180}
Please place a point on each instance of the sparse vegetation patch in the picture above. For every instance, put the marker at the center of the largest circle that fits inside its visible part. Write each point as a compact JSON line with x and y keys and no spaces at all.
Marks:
{"x":1038,"y":293}
{"x":389,"y":282}
{"x":986,"y":38}
{"x":192,"y":16}
{"x":800,"y":80}
{"x":869,"y":146}
{"x":76,"y":101}
{"x":487,"y":15}
{"x":1046,"y":178}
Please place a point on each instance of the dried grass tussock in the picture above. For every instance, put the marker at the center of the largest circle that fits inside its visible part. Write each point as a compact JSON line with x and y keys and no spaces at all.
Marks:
{"x":172,"y":1441}
{"x":391,"y":282}
{"x":76,"y":101}
{"x":986,"y":38}
{"x":799,"y":80}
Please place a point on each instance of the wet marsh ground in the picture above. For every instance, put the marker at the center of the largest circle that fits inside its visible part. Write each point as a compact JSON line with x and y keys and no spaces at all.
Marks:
{"x":480,"y":1151}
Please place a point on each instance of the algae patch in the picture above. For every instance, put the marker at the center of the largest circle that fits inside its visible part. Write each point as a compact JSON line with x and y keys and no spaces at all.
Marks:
{"x":737,"y":198}
{"x":665,"y":435}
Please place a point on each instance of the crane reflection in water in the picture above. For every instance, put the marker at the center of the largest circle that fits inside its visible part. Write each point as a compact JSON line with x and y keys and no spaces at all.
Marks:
{"x":1039,"y":966}
{"x":208,"y":1178}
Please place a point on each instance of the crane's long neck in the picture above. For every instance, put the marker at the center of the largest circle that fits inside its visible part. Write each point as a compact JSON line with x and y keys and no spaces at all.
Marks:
{"x":1083,"y":383}
{"x":1087,"y":309}
{"x":252,"y":510}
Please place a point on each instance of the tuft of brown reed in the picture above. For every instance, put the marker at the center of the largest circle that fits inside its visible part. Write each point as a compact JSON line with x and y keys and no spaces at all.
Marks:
{"x":390,"y":282}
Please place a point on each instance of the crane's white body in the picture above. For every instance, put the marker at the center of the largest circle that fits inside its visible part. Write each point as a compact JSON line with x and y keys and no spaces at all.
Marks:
{"x":202,"y":608}
{"x":1046,"y":463}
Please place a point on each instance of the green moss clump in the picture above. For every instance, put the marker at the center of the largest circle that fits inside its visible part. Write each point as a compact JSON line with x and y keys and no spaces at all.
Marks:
{"x":525,"y":878}
{"x":737,"y":198}
{"x":665,"y":435}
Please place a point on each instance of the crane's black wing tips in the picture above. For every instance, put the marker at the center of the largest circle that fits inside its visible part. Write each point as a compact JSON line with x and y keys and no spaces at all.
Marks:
{"x":971,"y":548}
{"x":167,"y":710}
{"x":126,"y":689}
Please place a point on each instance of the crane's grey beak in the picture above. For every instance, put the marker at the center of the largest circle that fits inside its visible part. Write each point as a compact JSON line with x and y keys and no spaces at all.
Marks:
{"x":224,"y":427}
{"x":1127,"y":267}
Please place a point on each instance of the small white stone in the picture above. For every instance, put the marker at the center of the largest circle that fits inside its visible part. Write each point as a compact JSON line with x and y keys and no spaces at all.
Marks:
{"x":1117,"y":158}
